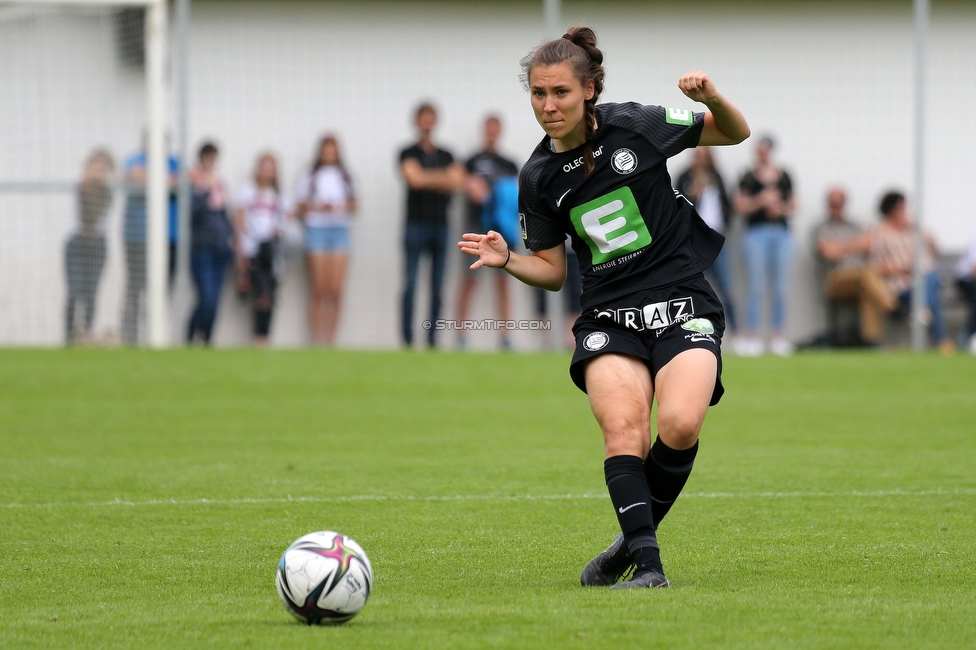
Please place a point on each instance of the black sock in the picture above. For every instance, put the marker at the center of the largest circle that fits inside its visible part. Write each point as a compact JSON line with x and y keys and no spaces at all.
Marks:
{"x":667,"y":470}
{"x":631,"y":500}
{"x":647,"y":559}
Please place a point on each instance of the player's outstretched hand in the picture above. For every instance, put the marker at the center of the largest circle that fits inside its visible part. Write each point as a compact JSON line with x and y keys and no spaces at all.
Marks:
{"x":697,"y":86}
{"x":490,"y":249}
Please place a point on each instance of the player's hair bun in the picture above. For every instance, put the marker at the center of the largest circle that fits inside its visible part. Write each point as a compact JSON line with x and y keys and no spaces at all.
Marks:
{"x":585,"y":38}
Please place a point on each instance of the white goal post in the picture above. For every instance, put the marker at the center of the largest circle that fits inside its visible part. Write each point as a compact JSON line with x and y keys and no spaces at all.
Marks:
{"x":156,"y":157}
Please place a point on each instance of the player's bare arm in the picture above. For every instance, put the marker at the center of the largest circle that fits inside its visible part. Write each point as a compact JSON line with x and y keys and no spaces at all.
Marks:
{"x":545,"y":269}
{"x":724,"y":123}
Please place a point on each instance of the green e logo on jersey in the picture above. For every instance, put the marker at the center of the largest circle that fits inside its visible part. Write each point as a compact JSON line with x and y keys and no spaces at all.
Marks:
{"x":611,"y":225}
{"x":679,"y":116}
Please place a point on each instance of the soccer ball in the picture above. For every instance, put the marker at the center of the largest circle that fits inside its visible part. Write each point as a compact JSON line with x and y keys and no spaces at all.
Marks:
{"x":324,"y":578}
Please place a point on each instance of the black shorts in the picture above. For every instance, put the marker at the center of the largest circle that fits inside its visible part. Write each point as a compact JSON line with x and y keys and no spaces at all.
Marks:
{"x":653,"y":326}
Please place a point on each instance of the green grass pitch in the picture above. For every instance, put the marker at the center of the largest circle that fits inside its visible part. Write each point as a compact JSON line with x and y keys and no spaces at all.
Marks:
{"x":147,"y":496}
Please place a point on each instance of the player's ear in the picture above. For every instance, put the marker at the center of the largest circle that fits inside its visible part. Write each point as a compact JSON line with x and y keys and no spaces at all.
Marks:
{"x":589,"y":89}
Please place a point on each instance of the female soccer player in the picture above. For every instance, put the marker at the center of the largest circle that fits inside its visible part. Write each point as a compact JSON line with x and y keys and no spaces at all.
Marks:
{"x":650,"y":323}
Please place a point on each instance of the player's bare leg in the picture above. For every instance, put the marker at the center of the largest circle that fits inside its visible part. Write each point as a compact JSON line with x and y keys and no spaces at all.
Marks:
{"x":621,"y":393}
{"x":684,"y":388}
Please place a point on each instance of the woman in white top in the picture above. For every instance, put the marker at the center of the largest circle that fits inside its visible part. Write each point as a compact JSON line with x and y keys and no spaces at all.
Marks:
{"x":326,"y":201}
{"x":260,"y":214}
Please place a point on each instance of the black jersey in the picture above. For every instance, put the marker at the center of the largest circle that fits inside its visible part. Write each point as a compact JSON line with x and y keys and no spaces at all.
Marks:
{"x":750,"y":186}
{"x":427,"y":207}
{"x":630,"y":229}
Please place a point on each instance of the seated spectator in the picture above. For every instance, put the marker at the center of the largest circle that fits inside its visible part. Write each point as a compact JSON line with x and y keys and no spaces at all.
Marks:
{"x":890,"y":247}
{"x":847,"y":274}
{"x":966,"y":282}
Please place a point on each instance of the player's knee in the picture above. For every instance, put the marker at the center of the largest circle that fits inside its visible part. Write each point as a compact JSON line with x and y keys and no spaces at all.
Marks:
{"x":625,"y":436}
{"x":680,"y":428}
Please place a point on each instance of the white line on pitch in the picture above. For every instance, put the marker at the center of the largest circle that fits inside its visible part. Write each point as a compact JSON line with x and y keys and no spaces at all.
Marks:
{"x":488,"y":497}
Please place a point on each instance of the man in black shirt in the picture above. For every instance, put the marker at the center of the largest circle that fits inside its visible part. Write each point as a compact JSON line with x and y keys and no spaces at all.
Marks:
{"x":432,"y":176}
{"x":484,"y":168}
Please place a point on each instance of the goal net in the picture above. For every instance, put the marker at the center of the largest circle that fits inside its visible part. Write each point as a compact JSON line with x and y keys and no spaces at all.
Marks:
{"x":79,"y":195}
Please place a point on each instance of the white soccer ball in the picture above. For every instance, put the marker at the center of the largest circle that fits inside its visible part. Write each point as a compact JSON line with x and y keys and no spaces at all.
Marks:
{"x":324,"y":578}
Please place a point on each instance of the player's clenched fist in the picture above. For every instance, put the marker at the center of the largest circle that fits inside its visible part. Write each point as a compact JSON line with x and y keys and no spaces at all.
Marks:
{"x":697,"y":86}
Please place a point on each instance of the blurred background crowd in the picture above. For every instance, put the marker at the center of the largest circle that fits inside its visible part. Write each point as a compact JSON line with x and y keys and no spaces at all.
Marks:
{"x":242,"y":237}
{"x":332,"y":153}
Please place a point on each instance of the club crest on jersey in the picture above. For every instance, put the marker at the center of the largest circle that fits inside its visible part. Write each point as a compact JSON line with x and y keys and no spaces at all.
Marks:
{"x":596,"y":341}
{"x":623,"y":161}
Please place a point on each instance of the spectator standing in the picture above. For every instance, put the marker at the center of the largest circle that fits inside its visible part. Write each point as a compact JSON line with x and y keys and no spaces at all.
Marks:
{"x":211,"y":243}
{"x":258,"y":220}
{"x":432,"y":177}
{"x":765,"y":198}
{"x":846,"y":272}
{"x":485,"y":169}
{"x":326,"y":202}
{"x":702,"y":184}
{"x":85,"y":252}
{"x":134,"y":235}
{"x":966,"y":283}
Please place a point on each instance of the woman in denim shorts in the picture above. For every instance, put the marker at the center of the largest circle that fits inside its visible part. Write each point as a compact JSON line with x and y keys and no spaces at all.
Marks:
{"x":326,"y":202}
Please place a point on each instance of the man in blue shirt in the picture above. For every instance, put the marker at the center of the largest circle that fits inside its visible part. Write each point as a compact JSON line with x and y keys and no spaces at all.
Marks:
{"x":134,"y":234}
